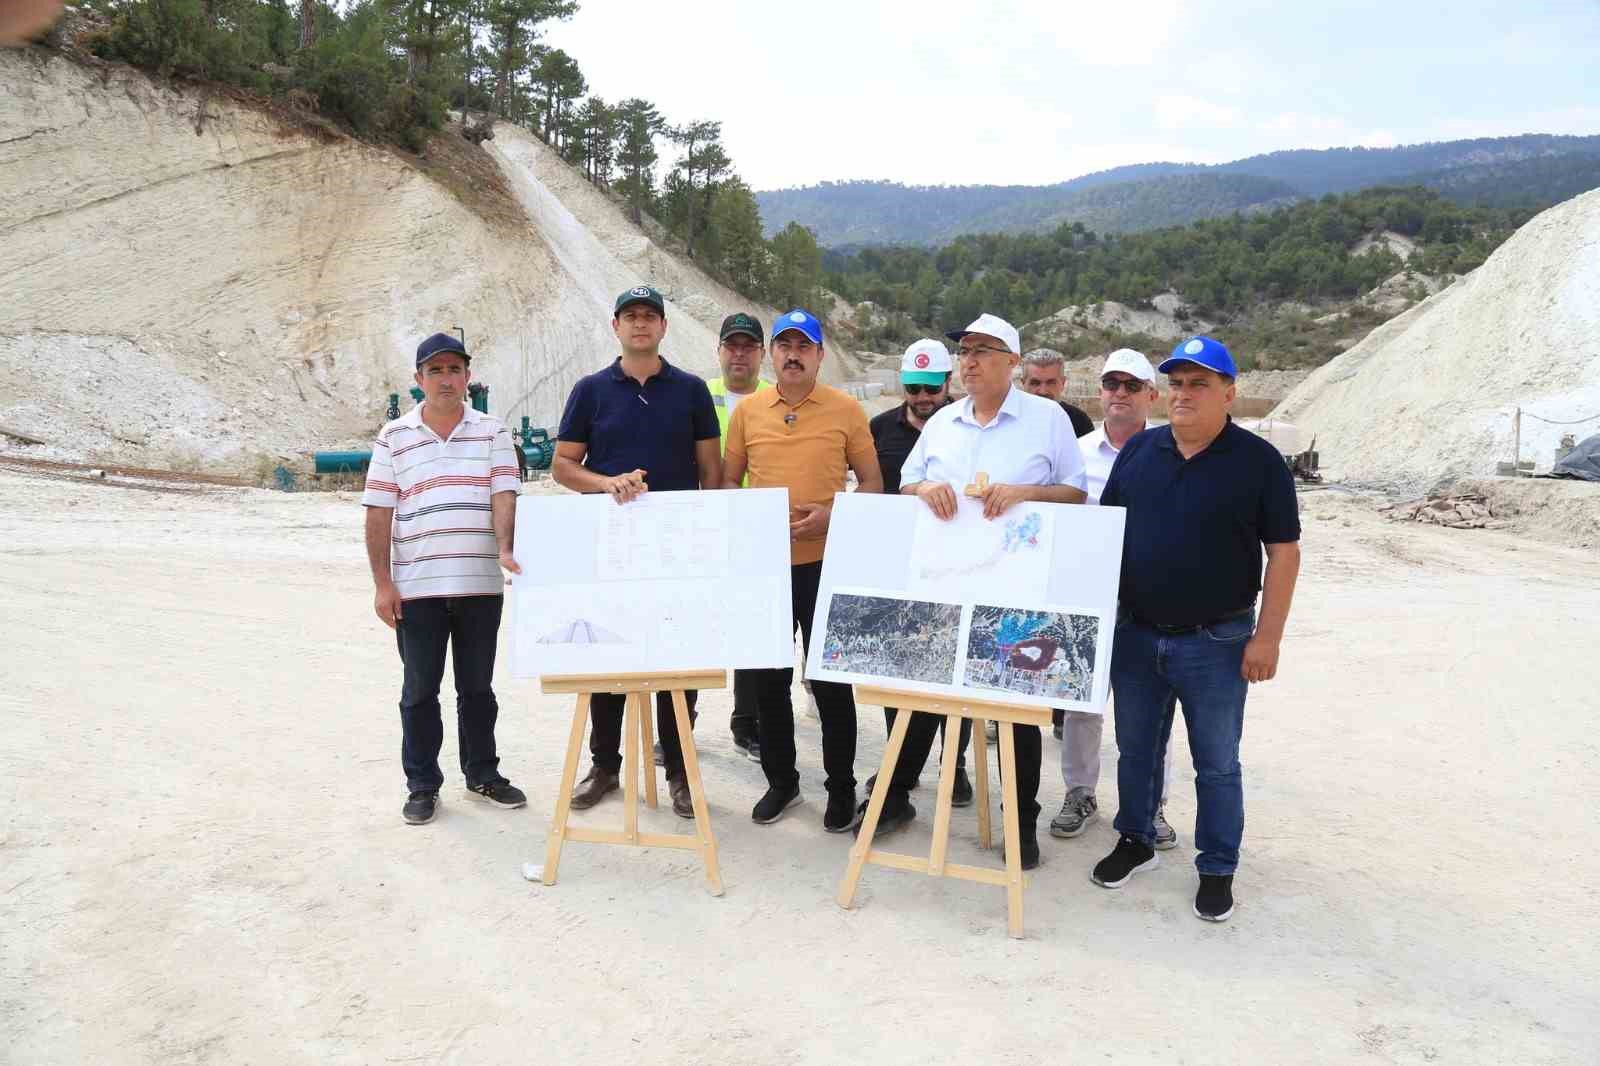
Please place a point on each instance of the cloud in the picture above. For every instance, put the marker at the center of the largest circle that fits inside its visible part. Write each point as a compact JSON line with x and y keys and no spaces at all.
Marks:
{"x":1184,"y":112}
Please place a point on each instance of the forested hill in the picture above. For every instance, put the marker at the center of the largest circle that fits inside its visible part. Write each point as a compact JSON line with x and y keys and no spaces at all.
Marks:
{"x":1504,"y":171}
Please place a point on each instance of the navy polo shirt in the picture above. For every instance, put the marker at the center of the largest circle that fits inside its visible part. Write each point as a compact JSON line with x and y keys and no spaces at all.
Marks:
{"x":1191,"y":552}
{"x":651,"y":427}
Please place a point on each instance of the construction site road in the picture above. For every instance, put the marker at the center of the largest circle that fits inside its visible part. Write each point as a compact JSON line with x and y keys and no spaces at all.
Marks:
{"x":202,"y":858}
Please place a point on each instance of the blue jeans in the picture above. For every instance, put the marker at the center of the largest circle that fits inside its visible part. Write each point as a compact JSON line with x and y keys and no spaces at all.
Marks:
{"x":469,"y":626}
{"x":1150,"y":673}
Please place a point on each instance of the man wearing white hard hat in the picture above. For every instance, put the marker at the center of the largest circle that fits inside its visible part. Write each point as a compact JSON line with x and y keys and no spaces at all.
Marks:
{"x":1128,"y":391}
{"x":925,"y":371}
{"x":1026,"y":446}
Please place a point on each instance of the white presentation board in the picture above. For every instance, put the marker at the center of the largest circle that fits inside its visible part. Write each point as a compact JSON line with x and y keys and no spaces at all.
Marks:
{"x":1019,"y":608}
{"x":671,"y":581}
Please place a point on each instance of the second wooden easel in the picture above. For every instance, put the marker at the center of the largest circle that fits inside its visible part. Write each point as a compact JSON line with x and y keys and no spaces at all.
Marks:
{"x":953,"y":709}
{"x":637,"y":765}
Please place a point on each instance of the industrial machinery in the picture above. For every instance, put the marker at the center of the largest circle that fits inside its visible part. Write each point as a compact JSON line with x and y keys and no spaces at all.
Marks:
{"x":535,"y":449}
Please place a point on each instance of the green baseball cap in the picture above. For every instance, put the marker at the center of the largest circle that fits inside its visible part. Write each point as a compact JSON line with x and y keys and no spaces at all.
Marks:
{"x":640,"y":294}
{"x":741,"y":323}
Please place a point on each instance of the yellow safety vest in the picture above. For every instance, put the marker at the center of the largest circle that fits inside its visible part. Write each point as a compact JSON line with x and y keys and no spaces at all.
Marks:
{"x":719,"y":400}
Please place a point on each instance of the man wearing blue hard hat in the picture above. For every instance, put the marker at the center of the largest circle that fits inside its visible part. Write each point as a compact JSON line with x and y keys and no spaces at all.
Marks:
{"x":1203,"y":499}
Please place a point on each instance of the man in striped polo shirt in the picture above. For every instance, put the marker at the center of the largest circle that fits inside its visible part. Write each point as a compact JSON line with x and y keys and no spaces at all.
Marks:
{"x":441,"y":504}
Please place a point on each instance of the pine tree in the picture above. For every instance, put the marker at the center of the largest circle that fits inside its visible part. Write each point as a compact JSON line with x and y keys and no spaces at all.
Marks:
{"x":638,"y":126}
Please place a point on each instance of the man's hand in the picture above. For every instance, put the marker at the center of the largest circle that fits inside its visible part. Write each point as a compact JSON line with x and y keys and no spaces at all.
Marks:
{"x":812,"y":523}
{"x":997,"y":499}
{"x":508,"y":562}
{"x":940,"y":498}
{"x":1260,"y":659}
{"x":625,"y":487}
{"x":387,"y":603}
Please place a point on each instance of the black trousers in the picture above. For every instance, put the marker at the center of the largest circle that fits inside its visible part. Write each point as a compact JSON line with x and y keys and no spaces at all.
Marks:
{"x":1030,"y":751}
{"x":836,"y":703}
{"x":743,"y":722}
{"x":605,"y":731}
{"x":468,"y":626}
{"x":965,"y":737}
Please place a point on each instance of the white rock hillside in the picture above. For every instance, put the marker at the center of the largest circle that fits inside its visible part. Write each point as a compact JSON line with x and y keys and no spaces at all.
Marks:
{"x":1429,"y":395}
{"x":251,"y":292}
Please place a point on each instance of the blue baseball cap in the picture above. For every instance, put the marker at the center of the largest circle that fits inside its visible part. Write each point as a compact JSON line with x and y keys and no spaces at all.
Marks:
{"x":1201,"y":351}
{"x":804,"y":321}
{"x":438,"y":344}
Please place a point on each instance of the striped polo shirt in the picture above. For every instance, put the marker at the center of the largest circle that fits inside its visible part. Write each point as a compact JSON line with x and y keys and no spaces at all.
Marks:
{"x":442,"y":540}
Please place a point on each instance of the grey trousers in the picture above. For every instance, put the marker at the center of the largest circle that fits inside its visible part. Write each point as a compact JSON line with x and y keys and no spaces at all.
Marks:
{"x":1080,"y":752}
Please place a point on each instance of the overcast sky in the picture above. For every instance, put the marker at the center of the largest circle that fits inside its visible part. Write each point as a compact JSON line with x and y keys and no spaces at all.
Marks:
{"x":1036,"y":91}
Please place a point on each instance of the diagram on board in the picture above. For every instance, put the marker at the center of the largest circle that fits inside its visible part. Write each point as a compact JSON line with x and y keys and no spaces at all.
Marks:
{"x":1037,"y":653}
{"x":970,"y":556}
{"x":892,"y":637}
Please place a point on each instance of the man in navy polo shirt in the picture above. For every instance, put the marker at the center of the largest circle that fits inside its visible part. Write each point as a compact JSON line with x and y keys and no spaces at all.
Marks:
{"x":1203,"y":497}
{"x":639,"y":424}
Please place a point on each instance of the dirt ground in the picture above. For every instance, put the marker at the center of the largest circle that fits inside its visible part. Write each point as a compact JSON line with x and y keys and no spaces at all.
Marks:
{"x":202,"y":858}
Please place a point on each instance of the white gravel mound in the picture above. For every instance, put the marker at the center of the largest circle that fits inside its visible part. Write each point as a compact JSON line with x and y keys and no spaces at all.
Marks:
{"x":1429,"y":395}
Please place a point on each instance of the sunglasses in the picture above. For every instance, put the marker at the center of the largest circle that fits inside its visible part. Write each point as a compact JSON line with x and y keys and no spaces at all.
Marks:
{"x":918,"y":390}
{"x":1131,"y":386}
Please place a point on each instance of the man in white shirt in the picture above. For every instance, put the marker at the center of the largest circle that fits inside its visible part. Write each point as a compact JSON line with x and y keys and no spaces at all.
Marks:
{"x":1026,"y":446}
{"x":1128,"y":391}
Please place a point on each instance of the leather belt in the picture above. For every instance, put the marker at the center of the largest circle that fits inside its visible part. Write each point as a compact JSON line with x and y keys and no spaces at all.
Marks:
{"x":1180,"y":631}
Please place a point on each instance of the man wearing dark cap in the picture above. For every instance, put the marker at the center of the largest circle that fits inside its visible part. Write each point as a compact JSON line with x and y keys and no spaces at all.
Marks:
{"x":441,"y":499}
{"x":1203,"y":498}
{"x":740,"y":351}
{"x":638,"y":425}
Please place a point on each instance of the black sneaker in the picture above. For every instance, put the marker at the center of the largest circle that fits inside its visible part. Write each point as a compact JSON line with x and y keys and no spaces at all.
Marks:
{"x":748,"y":746}
{"x":873,"y":780}
{"x":897,"y":813}
{"x":501,"y":793}
{"x":1126,"y":859}
{"x":420,"y":807}
{"x":961,"y":794}
{"x":841,"y":812}
{"x":1214,"y":901}
{"x":770,"y":808}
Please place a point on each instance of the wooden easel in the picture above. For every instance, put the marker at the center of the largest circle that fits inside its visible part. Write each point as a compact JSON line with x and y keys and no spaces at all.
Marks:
{"x":953,"y":709}
{"x":637,"y":763}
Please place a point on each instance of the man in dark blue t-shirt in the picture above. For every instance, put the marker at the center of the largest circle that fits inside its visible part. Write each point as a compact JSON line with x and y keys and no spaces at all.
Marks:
{"x":1203,"y":497}
{"x":640,"y":424}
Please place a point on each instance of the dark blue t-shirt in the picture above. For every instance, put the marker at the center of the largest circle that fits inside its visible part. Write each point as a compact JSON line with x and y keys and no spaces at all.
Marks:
{"x":1192,"y":549}
{"x":651,"y":427}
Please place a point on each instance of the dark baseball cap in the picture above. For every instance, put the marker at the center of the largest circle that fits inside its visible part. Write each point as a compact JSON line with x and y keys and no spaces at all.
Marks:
{"x":438,"y":343}
{"x":640,"y":294}
{"x":740,"y":323}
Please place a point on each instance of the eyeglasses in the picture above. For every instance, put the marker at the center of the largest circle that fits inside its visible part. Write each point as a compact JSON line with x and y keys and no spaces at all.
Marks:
{"x":1131,"y":386}
{"x":964,"y":352}
{"x":917,"y":390}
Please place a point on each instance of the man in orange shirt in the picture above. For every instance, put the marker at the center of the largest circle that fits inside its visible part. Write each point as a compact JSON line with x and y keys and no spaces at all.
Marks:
{"x":802,"y":436}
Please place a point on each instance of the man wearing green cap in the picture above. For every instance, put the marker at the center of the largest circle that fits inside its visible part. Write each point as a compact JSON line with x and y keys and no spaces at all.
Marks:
{"x":740,"y":350}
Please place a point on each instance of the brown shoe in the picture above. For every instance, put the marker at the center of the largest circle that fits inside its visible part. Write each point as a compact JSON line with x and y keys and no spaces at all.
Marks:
{"x":682,"y":802}
{"x":592,"y":789}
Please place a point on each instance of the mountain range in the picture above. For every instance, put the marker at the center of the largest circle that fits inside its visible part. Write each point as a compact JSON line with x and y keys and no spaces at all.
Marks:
{"x":1499,"y":171}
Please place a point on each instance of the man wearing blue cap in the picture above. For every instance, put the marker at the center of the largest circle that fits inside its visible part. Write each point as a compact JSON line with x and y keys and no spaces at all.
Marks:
{"x":441,"y":499}
{"x":801,"y":436}
{"x":638,"y":425}
{"x":1203,"y":497}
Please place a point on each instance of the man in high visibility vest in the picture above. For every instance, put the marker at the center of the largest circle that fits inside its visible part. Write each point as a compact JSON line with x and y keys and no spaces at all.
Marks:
{"x":741,"y":351}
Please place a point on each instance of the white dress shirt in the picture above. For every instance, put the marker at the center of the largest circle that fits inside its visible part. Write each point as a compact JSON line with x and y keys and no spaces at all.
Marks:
{"x":1028,"y":442}
{"x":1098,"y":456}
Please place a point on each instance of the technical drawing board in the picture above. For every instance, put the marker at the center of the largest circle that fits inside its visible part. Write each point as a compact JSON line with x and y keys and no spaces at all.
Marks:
{"x":671,"y":581}
{"x":1020,"y":608}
